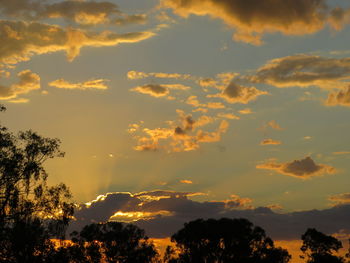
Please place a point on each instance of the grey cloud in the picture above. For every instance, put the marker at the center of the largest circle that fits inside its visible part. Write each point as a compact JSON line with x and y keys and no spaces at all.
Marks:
{"x":181,"y":209}
{"x":303,"y":71}
{"x":302,"y":169}
{"x":252,"y":19}
{"x":235,"y":93}
{"x":80,"y":12}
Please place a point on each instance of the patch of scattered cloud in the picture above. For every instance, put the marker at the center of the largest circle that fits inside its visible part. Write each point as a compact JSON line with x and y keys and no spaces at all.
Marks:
{"x":302,"y":169}
{"x":339,"y":98}
{"x":270,"y":142}
{"x":28,"y":81}
{"x":86,"y":85}
{"x":235,"y":93}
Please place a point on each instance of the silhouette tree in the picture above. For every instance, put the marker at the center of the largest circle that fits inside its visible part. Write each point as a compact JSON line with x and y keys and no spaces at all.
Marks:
{"x":31,"y":212}
{"x":224,"y":240}
{"x":320,"y":248}
{"x":115,"y":242}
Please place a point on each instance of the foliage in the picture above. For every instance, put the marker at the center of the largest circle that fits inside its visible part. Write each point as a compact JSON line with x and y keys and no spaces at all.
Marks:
{"x":115,"y":242}
{"x":31,"y":212}
{"x":320,"y":248}
{"x":224,"y":240}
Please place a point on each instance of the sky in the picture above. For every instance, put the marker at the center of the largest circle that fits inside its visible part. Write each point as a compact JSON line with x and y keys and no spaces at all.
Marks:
{"x":191,"y":108}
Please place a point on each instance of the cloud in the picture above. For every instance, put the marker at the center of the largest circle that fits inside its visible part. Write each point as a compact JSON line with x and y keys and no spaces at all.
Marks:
{"x":270,"y":142}
{"x":304,"y":71}
{"x":184,"y":181}
{"x":28,"y":81}
{"x":153,"y":90}
{"x":141,"y":75}
{"x":340,"y":199}
{"x":80,"y":12}
{"x":90,"y":84}
{"x":341,"y":153}
{"x":245,"y":111}
{"x":252,"y":19}
{"x":235,"y":93}
{"x":21,"y":40}
{"x":184,"y":135}
{"x":162,"y":213}
{"x":302,"y":169}
{"x":229,"y":116}
{"x":341,"y":98}
{"x":157,"y":90}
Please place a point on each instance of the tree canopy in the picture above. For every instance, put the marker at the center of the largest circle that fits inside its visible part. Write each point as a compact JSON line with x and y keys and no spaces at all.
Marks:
{"x":320,"y":248}
{"x":225,"y":240}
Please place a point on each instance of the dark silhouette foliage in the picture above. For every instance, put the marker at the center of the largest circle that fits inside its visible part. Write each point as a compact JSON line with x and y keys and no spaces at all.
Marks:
{"x":320,"y":248}
{"x":224,"y":240}
{"x":115,"y":242}
{"x":31,"y":212}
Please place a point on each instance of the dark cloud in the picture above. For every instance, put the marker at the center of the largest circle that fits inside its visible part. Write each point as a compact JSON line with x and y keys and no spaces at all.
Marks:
{"x":303,"y":169}
{"x":80,"y":12}
{"x":165,"y":212}
{"x":340,"y":199}
{"x":304,"y":71}
{"x":253,"y":18}
{"x":153,"y":90}
{"x":235,"y":93}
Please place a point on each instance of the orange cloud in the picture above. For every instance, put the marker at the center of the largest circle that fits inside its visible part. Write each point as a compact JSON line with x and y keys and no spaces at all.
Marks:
{"x":153,"y":90}
{"x":21,"y":40}
{"x":302,"y":169}
{"x":245,"y":111}
{"x":303,"y":71}
{"x":28,"y":81}
{"x":186,"y":182}
{"x":340,"y":199}
{"x":228,"y":116}
{"x":253,"y":19}
{"x":270,"y":142}
{"x":339,"y":98}
{"x":90,"y":84}
{"x":235,"y":93}
{"x":141,"y":75}
{"x":80,"y":12}
{"x":184,"y":135}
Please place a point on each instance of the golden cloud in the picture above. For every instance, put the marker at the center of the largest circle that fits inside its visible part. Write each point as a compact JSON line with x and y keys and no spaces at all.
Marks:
{"x":185,"y":135}
{"x":270,"y":142}
{"x":141,"y":75}
{"x":28,"y":81}
{"x":340,"y":199}
{"x":252,"y":19}
{"x":341,"y":98}
{"x":80,"y":12}
{"x":153,"y":90}
{"x":229,"y":116}
{"x":21,"y":40}
{"x":235,"y":93}
{"x":302,"y":169}
{"x":304,"y":71}
{"x":90,"y":84}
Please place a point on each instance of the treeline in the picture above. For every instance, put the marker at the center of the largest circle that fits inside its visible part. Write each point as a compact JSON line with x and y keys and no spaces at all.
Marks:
{"x":34,"y":218}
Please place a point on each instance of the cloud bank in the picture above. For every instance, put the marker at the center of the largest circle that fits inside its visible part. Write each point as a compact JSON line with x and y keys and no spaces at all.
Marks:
{"x":162,"y":213}
{"x":252,"y":19}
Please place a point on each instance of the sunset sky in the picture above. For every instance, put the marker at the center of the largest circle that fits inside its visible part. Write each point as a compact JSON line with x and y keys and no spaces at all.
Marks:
{"x":187,"y":108}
